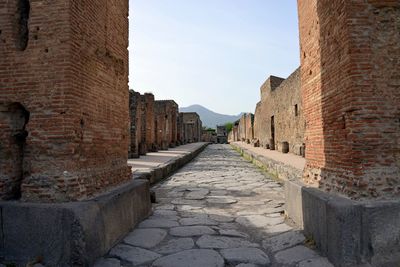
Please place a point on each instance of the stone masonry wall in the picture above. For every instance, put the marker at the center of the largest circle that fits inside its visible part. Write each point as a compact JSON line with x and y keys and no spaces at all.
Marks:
{"x":249,"y":127}
{"x":281,"y":99}
{"x":192,"y":127}
{"x":350,"y":59}
{"x":64,"y":117}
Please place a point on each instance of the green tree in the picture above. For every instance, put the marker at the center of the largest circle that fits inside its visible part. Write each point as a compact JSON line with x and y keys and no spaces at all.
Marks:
{"x":229,"y":127}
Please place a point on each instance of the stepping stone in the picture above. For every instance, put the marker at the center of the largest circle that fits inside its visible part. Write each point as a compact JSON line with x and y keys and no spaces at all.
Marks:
{"x":133,"y":255}
{"x":165,"y":207}
{"x":316,"y":262}
{"x":195,"y":197}
{"x":197,"y":221}
{"x":221,"y":200}
{"x":221,"y":218}
{"x":259,"y":221}
{"x":110,"y":262}
{"x":218,"y":192}
{"x":245,"y":255}
{"x":209,"y":241}
{"x":228,"y":226}
{"x":283,"y":241}
{"x":165,"y":213}
{"x":191,"y":231}
{"x":277,"y":229}
{"x":180,"y":201}
{"x":260,"y":211}
{"x":295,"y":255}
{"x":146,"y":238}
{"x":246,"y":265}
{"x":158,"y":223}
{"x":188,"y":207}
{"x":192,"y":258}
{"x":176,"y":245}
{"x":232,"y":232}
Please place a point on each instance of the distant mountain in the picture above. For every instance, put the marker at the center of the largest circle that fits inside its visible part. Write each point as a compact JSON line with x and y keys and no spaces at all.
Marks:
{"x":210,"y":118}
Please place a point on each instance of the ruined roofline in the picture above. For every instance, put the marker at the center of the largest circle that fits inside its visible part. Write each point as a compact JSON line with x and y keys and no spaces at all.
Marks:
{"x":189,"y":113}
{"x":166,"y":101}
{"x":289,"y":78}
{"x":274,"y":81}
{"x":146,"y":93}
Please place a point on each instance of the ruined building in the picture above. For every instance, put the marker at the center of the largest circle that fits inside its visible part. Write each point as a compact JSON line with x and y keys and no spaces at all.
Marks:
{"x":279,"y":119}
{"x":209,"y":136}
{"x":63,"y":129}
{"x":222,"y":134}
{"x":148,"y":130}
{"x":166,"y":123}
{"x":243,"y":129}
{"x":192,"y":127}
{"x":135,"y":109}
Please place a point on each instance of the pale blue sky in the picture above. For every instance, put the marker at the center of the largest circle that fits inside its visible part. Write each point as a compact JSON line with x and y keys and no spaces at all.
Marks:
{"x":215,"y":53}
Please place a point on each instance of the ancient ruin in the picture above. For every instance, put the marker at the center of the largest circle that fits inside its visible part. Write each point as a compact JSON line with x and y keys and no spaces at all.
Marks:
{"x":148,"y":135}
{"x":191,"y":127}
{"x":135,"y":108}
{"x":166,"y":123}
{"x":68,"y":124}
{"x":66,"y":128}
{"x":279,"y":116}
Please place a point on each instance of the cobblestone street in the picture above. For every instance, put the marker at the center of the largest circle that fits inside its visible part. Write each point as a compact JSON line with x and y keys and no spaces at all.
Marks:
{"x":218,"y":210}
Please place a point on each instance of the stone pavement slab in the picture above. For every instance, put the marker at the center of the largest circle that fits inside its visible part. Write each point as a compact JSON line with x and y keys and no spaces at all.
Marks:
{"x":192,"y":258}
{"x":218,"y":210}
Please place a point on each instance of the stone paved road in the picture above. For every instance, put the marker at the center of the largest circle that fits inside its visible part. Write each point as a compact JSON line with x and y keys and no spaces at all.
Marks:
{"x":218,"y":210}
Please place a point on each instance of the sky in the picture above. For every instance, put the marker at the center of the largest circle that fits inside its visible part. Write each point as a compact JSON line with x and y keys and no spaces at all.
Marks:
{"x":216,"y":53}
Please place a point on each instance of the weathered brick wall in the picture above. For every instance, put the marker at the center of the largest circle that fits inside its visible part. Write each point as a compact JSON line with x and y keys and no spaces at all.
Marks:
{"x":281,"y":99}
{"x":66,"y":63}
{"x":135,"y":123}
{"x":166,"y":121}
{"x":350,"y":61}
{"x":192,"y":127}
{"x":148,"y":131}
{"x":180,"y":133}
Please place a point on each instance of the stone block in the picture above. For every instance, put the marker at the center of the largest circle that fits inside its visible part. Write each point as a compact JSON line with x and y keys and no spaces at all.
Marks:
{"x":75,"y":233}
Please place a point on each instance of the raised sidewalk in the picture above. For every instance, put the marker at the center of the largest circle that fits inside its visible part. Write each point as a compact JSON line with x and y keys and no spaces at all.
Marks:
{"x":158,"y":165}
{"x":77,"y":233}
{"x":349,"y":232}
{"x":282,"y":166}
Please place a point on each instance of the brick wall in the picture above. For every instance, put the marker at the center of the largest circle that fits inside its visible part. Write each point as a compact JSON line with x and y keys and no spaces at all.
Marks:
{"x":148,"y":131}
{"x":350,"y":54}
{"x":166,"y":121}
{"x":280,"y":99}
{"x":66,"y":65}
{"x":135,"y":123}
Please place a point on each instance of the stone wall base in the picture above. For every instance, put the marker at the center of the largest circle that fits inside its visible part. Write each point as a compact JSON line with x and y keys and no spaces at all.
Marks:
{"x":71,"y":234}
{"x":349,"y":233}
{"x":277,"y":169}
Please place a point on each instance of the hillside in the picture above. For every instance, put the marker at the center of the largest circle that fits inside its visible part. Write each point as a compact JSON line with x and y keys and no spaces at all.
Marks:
{"x":208,"y":117}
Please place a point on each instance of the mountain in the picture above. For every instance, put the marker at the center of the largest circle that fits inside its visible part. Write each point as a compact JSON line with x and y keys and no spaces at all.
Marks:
{"x":210,"y":118}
